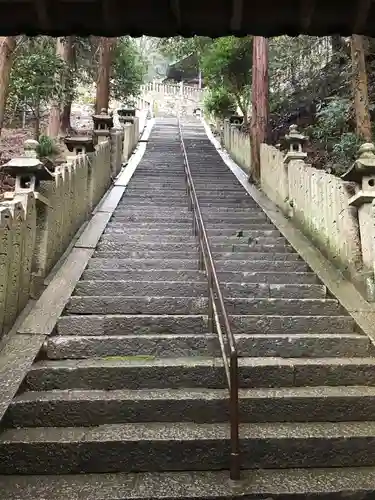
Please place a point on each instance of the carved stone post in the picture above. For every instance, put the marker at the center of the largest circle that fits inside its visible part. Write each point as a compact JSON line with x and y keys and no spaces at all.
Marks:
{"x":296,"y":141}
{"x":29,"y":171}
{"x":362,"y":173}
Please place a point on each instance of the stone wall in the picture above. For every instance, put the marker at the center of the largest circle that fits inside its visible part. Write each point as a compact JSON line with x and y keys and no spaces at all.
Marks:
{"x":320,"y":204}
{"x":39,"y":219}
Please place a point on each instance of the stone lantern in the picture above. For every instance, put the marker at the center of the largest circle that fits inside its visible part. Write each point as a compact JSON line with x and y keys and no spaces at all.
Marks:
{"x":79,"y":144}
{"x":296,"y":142}
{"x":28,"y":170}
{"x":126,"y":115}
{"x":102,"y":125}
{"x":362,"y":173}
{"x":236,"y":120}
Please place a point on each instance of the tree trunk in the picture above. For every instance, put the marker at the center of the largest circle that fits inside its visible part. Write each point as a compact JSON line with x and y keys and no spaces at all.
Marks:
{"x":104,"y":71}
{"x":7,"y":46}
{"x":360,"y":88}
{"x":65,"y":126}
{"x":64,"y":49}
{"x":259,"y":114}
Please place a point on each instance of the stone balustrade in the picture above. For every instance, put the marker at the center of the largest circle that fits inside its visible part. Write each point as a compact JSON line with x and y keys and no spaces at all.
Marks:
{"x":335,"y":213}
{"x":49,"y":204}
{"x":180,"y":89}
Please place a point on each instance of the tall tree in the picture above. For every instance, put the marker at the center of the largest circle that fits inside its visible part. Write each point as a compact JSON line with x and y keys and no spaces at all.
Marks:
{"x":59,"y":117}
{"x":260,"y":107}
{"x":7,"y":47}
{"x":104,"y":71}
{"x":360,"y":88}
{"x":226,"y":65}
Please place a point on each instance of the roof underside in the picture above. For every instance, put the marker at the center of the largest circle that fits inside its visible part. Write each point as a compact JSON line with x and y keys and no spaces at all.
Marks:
{"x":167,"y":18}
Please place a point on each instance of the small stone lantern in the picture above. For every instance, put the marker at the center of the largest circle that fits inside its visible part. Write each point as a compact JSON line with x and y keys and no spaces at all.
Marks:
{"x":296,"y":142}
{"x":126,"y":115}
{"x":362,"y":173}
{"x":236,"y":120}
{"x":28,"y":170}
{"x":102,"y":125}
{"x":79,"y":144}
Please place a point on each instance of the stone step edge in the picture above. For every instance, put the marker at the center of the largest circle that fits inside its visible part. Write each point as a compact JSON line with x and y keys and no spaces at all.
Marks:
{"x":159,"y":394}
{"x":195,"y":361}
{"x":276,"y":484}
{"x":188,"y":432}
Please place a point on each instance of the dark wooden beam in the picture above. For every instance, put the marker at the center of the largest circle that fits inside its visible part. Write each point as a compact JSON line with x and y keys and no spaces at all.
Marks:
{"x":363,"y":10}
{"x":42,"y":14}
{"x":237,"y":15}
{"x":307,"y":8}
{"x":176,"y":11}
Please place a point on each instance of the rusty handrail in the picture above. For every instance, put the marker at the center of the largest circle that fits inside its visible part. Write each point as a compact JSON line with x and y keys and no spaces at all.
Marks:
{"x":216,"y":310}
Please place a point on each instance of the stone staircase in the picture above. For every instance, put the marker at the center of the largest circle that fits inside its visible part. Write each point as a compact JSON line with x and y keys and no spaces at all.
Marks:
{"x":129,"y":400}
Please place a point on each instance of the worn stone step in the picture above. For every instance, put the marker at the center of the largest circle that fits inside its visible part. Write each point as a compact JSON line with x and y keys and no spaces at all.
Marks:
{"x":215,"y":240}
{"x":119,"y":324}
{"x":151,"y":218}
{"x":197,"y":288}
{"x":198,"y":305}
{"x":149,"y":372}
{"x":279,"y":324}
{"x":192,"y":254}
{"x":179,"y":446}
{"x":76,"y":407}
{"x":163,"y":345}
{"x":178,"y":226}
{"x":221,"y":265}
{"x":146,"y":275}
{"x":192,"y":246}
{"x":187,"y":231}
{"x":149,"y":245}
{"x":277,"y":484}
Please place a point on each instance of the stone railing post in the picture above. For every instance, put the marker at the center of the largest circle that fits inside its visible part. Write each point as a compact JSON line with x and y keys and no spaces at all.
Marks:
{"x":296,"y":141}
{"x":29,"y":171}
{"x":362,"y":173}
{"x":79,"y":146}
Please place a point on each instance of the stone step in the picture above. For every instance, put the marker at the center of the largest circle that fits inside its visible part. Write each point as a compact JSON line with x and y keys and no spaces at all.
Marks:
{"x":156,"y":305}
{"x":145,"y":238}
{"x":221,"y":265}
{"x":184,"y":446}
{"x":148,"y":372}
{"x":165,"y":232}
{"x":167,"y":346}
{"x":183,"y":218}
{"x":197,"y":288}
{"x":120,"y":324}
{"x":76,"y":407}
{"x":147,"y":275}
{"x":145,"y":245}
{"x":178,"y":226}
{"x":277,"y":484}
{"x":192,"y":254}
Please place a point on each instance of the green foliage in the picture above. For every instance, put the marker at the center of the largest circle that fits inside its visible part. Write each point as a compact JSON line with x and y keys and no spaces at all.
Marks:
{"x":219,"y":103}
{"x":128,"y":69}
{"x":178,"y":47}
{"x":36,"y":77}
{"x":332,"y":131}
{"x":332,"y":119}
{"x":227,"y":64}
{"x":47,"y":146}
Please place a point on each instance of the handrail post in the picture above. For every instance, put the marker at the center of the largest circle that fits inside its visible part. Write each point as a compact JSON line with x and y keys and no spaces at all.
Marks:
{"x":210,"y":312}
{"x":235,"y":465}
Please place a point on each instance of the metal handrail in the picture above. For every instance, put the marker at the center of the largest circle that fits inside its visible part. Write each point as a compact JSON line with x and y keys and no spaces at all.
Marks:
{"x":216,"y":310}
